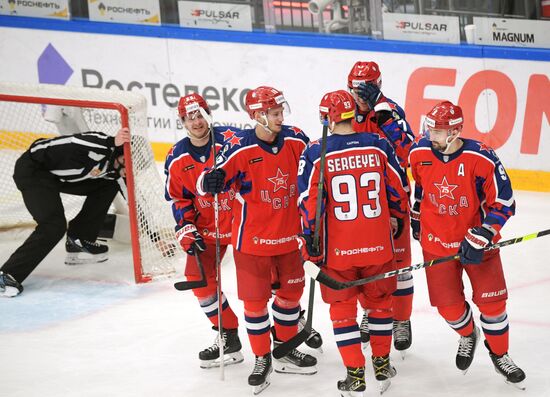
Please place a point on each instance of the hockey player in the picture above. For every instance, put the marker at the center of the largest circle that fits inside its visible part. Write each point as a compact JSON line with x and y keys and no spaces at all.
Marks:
{"x":363,"y":206}
{"x":464,"y":199}
{"x":262,"y":164}
{"x":377,"y":113}
{"x":195,"y":227}
{"x":86,"y":164}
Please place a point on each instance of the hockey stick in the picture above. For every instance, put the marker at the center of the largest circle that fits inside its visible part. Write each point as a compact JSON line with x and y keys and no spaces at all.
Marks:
{"x":315,"y":272}
{"x":221,"y":346}
{"x":286,"y":347}
{"x":187,"y":285}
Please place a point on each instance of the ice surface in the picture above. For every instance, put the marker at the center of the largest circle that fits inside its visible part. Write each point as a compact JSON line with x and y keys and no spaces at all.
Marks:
{"x":90,"y":331}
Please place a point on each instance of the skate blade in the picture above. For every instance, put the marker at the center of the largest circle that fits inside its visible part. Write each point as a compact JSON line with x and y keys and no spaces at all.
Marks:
{"x":383,"y":385}
{"x":229,"y":359}
{"x":518,"y":385}
{"x":84,"y":259}
{"x":260,"y":388}
{"x":287,"y":368}
{"x":352,"y":394}
{"x":10,"y":292}
{"x":403,"y":354}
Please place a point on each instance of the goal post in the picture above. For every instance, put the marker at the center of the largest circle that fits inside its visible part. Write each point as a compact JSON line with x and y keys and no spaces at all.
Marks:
{"x":23,"y":107}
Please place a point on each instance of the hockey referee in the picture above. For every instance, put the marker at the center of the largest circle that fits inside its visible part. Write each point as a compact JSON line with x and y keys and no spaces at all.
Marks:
{"x":85,"y":164}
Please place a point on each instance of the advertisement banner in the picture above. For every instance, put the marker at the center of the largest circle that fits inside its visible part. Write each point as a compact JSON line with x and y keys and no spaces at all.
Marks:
{"x":512,"y":32}
{"x":58,"y":9}
{"x":146,"y":12}
{"x":424,"y":28}
{"x":506,"y":102}
{"x":225,"y":16}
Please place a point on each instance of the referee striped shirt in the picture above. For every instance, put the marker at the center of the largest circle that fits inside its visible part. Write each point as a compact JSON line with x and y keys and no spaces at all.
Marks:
{"x":74,"y":158}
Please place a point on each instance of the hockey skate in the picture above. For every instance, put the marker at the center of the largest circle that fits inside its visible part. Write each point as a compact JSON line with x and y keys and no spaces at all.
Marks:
{"x":259,"y":378}
{"x":354,"y":385}
{"x":506,"y":367}
{"x":402,"y":336}
{"x":466,"y":349}
{"x":210,"y":357}
{"x":80,"y":252}
{"x":383,"y":371}
{"x":364,"y":331}
{"x":295,"y":362}
{"x":9,"y":287}
{"x":315,"y":341}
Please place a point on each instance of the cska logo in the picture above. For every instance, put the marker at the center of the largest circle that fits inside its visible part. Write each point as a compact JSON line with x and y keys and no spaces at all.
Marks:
{"x":445,"y":189}
{"x":228,"y":134}
{"x":279,"y":181}
{"x":234,"y":141}
{"x":296,"y":130}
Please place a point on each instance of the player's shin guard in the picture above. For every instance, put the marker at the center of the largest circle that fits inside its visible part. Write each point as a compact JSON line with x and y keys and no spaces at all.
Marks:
{"x":258,"y":326}
{"x":380,"y":329}
{"x":285,"y":316}
{"x":403,"y":297}
{"x":496,"y":333}
{"x":348,"y":340}
{"x":459,"y":317}
{"x":209,"y":305}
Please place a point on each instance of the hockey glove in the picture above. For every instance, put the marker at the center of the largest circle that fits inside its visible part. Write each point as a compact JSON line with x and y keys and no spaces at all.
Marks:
{"x":415,"y":220}
{"x":475,"y":241}
{"x":370,"y":93}
{"x":396,"y":227}
{"x":213,"y":181}
{"x":190,"y":239}
{"x":308,"y":251}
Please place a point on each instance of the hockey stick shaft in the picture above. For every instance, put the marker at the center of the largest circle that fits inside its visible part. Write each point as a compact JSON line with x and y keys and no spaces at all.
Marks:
{"x":284,"y":348}
{"x":315,"y":272}
{"x":221,"y":345}
{"x":187,"y":285}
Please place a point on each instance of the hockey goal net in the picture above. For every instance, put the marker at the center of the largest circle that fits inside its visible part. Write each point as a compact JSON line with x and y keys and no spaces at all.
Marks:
{"x":155,"y":250}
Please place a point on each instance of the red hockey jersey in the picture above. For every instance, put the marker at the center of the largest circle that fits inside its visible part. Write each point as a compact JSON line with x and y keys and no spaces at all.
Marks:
{"x":396,"y":129}
{"x":265,"y":214}
{"x":363,"y":186}
{"x":456,"y":192}
{"x":182,"y":168}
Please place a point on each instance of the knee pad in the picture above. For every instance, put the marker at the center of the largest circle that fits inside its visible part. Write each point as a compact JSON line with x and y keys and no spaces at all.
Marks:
{"x":255,"y":307}
{"x":340,"y":311}
{"x":452,"y":312}
{"x":284,"y":303}
{"x":493,"y":309}
{"x":283,"y":295}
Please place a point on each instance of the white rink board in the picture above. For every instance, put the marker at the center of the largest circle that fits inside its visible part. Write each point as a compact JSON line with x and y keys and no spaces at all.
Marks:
{"x":304,"y":74}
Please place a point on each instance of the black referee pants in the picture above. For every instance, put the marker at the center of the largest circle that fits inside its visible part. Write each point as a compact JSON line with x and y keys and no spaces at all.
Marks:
{"x":41,"y":194}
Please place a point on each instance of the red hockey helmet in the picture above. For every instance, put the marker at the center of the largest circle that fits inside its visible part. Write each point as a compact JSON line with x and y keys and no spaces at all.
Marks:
{"x":337,"y":106}
{"x":264,"y":98}
{"x":444,"y":115}
{"x":191,"y":103}
{"x":364,"y":72}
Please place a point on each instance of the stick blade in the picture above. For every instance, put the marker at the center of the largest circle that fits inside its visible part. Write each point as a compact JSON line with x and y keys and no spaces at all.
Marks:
{"x":284,"y":348}
{"x":312,"y":269}
{"x":187,"y":285}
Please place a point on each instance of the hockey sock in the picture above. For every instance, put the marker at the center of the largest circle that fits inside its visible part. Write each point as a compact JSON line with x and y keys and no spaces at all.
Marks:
{"x":209,"y":306}
{"x":494,"y":322}
{"x":403,"y":297}
{"x":285,"y":316}
{"x":258,"y":326}
{"x":380,"y":329}
{"x":346,"y":333}
{"x":459,"y":317}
